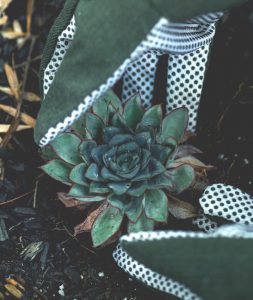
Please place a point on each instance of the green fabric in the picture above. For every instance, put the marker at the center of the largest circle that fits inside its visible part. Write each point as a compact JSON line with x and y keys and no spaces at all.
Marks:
{"x":107,"y":33}
{"x":60,"y":24}
{"x":214,"y":268}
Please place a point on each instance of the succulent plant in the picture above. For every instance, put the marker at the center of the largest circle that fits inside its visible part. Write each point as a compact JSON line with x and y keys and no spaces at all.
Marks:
{"x":128,"y":163}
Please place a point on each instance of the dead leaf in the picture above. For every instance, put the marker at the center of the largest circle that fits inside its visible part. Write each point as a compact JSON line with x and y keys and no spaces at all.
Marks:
{"x":181,"y":209}
{"x":4,"y":128}
{"x":4,"y":4}
{"x":13,"y":80}
{"x":11,"y":35}
{"x":87,"y":224}
{"x":32,"y":97}
{"x":192,"y":161}
{"x":3,"y":20}
{"x":28,"y":120}
{"x":6,"y":90}
{"x":29,"y":96}
{"x":186,"y":150}
{"x":69,"y":201}
{"x":29,"y":12}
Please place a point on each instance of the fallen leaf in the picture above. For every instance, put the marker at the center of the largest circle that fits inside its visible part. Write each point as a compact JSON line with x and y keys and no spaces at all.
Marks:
{"x":69,"y":201}
{"x":28,"y":120}
{"x":6,"y":90}
{"x":181,"y":209}
{"x":29,"y":96}
{"x":11,"y":35}
{"x":4,"y":128}
{"x":32,"y":97}
{"x":29,"y":11}
{"x":3,"y":20}
{"x":192,"y":161}
{"x":4,"y":4}
{"x":13,"y":80}
{"x":87,"y":224}
{"x":13,"y":291}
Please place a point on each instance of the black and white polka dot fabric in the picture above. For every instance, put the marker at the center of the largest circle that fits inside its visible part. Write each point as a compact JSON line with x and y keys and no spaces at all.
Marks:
{"x":229,"y":203}
{"x":151,"y":278}
{"x":165,"y":37}
{"x":63,"y":43}
{"x":162,"y":283}
{"x":204,"y":223}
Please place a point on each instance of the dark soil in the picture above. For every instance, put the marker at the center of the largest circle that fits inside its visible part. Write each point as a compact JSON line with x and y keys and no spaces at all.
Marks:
{"x":67,"y":264}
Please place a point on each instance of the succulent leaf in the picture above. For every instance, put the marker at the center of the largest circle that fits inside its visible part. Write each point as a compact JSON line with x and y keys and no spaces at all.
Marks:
{"x":98,"y":188}
{"x":182,"y":177}
{"x":152,"y":117}
{"x":119,"y":188}
{"x":66,"y":148}
{"x":142,"y":224}
{"x":137,"y":189}
{"x":133,"y":112}
{"x":156,"y":205}
{"x":58,"y":170}
{"x":160,"y":182}
{"x":77,"y":174}
{"x":81,"y":193}
{"x":94,"y":125}
{"x":85,"y":149}
{"x":109,"y":132}
{"x":121,"y":202}
{"x":93,"y":173}
{"x":100,"y":232}
{"x":174,"y":126}
{"x":134,"y":209}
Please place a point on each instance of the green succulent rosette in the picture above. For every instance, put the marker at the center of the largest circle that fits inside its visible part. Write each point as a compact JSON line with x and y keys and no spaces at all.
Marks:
{"x":128,"y":163}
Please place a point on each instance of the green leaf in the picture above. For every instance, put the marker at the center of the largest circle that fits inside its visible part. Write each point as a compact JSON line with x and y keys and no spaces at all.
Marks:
{"x":119,"y":188}
{"x":106,"y":225}
{"x":152,"y":117}
{"x":119,"y":139}
{"x":111,"y":98}
{"x":160,"y":182}
{"x":153,"y":169}
{"x":79,"y":127}
{"x":133,"y":112}
{"x":108,"y":175}
{"x":119,"y":201}
{"x":174,"y":126}
{"x":94,"y":125}
{"x":66,"y":147}
{"x":81,"y":193}
{"x":110,"y":132}
{"x":93,"y":173}
{"x":182,"y":178}
{"x":47,"y":153}
{"x":85,"y":150}
{"x":58,"y":170}
{"x":100,"y":108}
{"x":161,"y":153}
{"x":137,"y":189}
{"x":156,"y":205}
{"x":99,"y":188}
{"x":77,"y":174}
{"x":142,"y":224}
{"x":134,"y":209}
{"x":98,"y":152}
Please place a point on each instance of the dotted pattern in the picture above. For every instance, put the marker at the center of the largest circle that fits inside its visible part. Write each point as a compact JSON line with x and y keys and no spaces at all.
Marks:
{"x":165,"y":36}
{"x":151,"y":278}
{"x":185,"y":82}
{"x":204,"y":223}
{"x":229,"y":203}
{"x":63,"y":43}
{"x":139,"y":78}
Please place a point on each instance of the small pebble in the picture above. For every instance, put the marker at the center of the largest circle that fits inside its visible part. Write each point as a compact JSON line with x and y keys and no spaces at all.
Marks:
{"x":101,"y":274}
{"x":246,"y":161}
{"x":61,"y":290}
